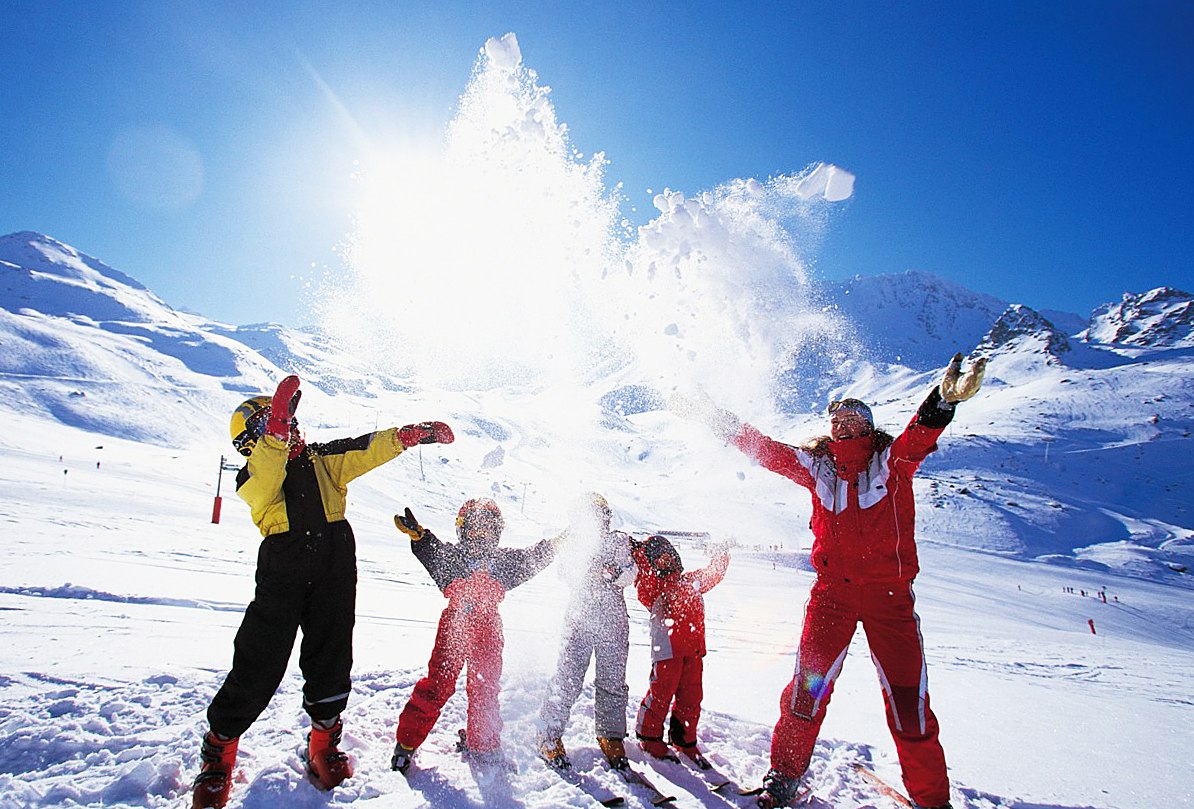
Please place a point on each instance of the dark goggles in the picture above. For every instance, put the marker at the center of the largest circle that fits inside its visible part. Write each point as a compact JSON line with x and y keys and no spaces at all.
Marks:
{"x":852,"y":406}
{"x":848,"y":404}
{"x":254,"y":429}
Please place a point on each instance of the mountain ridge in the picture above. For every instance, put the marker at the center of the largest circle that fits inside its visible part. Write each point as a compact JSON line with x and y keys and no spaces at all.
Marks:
{"x":1067,"y":456}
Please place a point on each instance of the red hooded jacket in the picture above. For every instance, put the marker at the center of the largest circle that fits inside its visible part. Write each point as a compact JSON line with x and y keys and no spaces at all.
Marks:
{"x":677,"y":608}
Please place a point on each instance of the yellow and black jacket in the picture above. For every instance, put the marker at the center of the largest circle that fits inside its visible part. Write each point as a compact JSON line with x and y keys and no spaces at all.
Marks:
{"x":311,"y":490}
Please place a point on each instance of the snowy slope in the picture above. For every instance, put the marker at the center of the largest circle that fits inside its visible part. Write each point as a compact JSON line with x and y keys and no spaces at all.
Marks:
{"x":1054,"y":530}
{"x":1052,"y":463}
{"x":88,"y":346}
{"x":127,"y":548}
{"x":138,"y":594}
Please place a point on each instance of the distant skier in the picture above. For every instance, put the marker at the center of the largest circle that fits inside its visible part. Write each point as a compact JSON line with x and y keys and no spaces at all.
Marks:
{"x":306,"y":578}
{"x":598,"y":569}
{"x":474,"y":575}
{"x":677,"y":608}
{"x":864,"y":552}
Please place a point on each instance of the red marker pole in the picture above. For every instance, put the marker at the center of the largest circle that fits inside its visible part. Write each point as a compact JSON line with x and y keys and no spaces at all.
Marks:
{"x":215,"y":509}
{"x":1092,"y":629}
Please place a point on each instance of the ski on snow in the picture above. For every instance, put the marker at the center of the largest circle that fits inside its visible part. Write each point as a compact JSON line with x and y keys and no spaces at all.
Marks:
{"x":589,"y":785}
{"x":636,"y":778}
{"x":715,"y":779}
{"x":882,"y":787}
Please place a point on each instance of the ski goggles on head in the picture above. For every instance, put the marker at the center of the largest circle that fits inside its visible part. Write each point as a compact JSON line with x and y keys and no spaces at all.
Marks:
{"x":852,"y":406}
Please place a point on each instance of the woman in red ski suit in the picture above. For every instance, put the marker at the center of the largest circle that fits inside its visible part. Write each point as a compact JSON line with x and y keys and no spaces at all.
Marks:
{"x":474,"y":576}
{"x":677,"y":644}
{"x":864,"y":553}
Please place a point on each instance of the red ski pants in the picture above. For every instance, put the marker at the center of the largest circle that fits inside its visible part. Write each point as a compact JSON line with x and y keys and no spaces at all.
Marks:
{"x":888,"y":616}
{"x":675,"y":683}
{"x":465,"y":635}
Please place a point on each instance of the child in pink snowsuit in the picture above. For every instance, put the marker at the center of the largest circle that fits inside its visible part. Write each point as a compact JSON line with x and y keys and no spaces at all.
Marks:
{"x":677,"y":644}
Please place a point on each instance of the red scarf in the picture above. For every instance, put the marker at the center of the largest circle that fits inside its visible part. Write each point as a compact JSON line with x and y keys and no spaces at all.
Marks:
{"x":851,"y":455}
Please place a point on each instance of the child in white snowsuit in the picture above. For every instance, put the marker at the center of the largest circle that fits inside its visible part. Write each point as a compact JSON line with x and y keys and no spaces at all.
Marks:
{"x":597,"y":627}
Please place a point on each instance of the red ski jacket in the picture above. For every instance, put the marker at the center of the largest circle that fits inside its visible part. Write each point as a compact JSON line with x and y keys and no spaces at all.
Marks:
{"x":864,"y":514}
{"x":677,"y":609}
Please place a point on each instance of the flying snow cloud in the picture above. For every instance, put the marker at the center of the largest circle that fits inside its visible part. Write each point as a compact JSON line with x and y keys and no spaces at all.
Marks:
{"x":826,"y":180}
{"x":498,"y":259}
{"x":465,"y":263}
{"x":713,"y":293}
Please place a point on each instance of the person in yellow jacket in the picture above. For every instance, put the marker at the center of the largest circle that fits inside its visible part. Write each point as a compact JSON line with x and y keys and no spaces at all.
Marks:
{"x":306,"y":579}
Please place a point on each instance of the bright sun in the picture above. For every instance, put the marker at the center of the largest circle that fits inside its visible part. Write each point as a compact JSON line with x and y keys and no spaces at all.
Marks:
{"x":476,"y":258}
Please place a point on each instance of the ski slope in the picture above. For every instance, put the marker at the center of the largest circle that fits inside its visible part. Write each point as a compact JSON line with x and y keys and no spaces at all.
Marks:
{"x":120,"y":600}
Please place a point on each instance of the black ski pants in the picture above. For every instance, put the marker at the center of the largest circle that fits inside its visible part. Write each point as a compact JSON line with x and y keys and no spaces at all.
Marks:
{"x":305,"y":581}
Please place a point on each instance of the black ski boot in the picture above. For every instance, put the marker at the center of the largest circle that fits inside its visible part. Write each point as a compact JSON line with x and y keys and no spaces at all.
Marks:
{"x":779,"y":790}
{"x":402,"y":759}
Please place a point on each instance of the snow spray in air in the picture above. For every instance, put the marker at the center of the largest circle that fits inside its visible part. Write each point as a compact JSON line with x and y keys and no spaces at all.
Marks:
{"x":715,"y":293}
{"x":465,"y":268}
{"x":499,"y":259}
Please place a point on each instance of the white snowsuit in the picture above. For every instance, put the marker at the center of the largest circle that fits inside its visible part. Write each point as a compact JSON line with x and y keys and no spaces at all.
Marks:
{"x":597,"y":625}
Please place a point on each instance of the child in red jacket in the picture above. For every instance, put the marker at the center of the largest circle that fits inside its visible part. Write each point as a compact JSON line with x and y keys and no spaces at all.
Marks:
{"x":474,"y":574}
{"x":677,"y":645}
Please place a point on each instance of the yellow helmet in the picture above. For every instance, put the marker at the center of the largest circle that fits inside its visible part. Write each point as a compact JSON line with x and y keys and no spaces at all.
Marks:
{"x":248,"y":423}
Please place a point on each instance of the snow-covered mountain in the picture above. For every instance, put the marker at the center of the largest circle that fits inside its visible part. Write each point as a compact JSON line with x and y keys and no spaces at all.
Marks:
{"x":1159,"y":318}
{"x":1019,"y":329}
{"x":1058,"y":486}
{"x":88,"y":346}
{"x":550,"y":339}
{"x":914,"y":318}
{"x":1072,"y":453}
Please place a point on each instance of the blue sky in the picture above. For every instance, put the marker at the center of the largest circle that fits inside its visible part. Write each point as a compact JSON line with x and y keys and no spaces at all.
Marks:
{"x":1039,"y":154}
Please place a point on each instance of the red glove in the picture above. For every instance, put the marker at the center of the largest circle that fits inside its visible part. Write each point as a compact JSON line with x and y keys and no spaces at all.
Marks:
{"x":285,"y":402}
{"x":425,"y":432}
